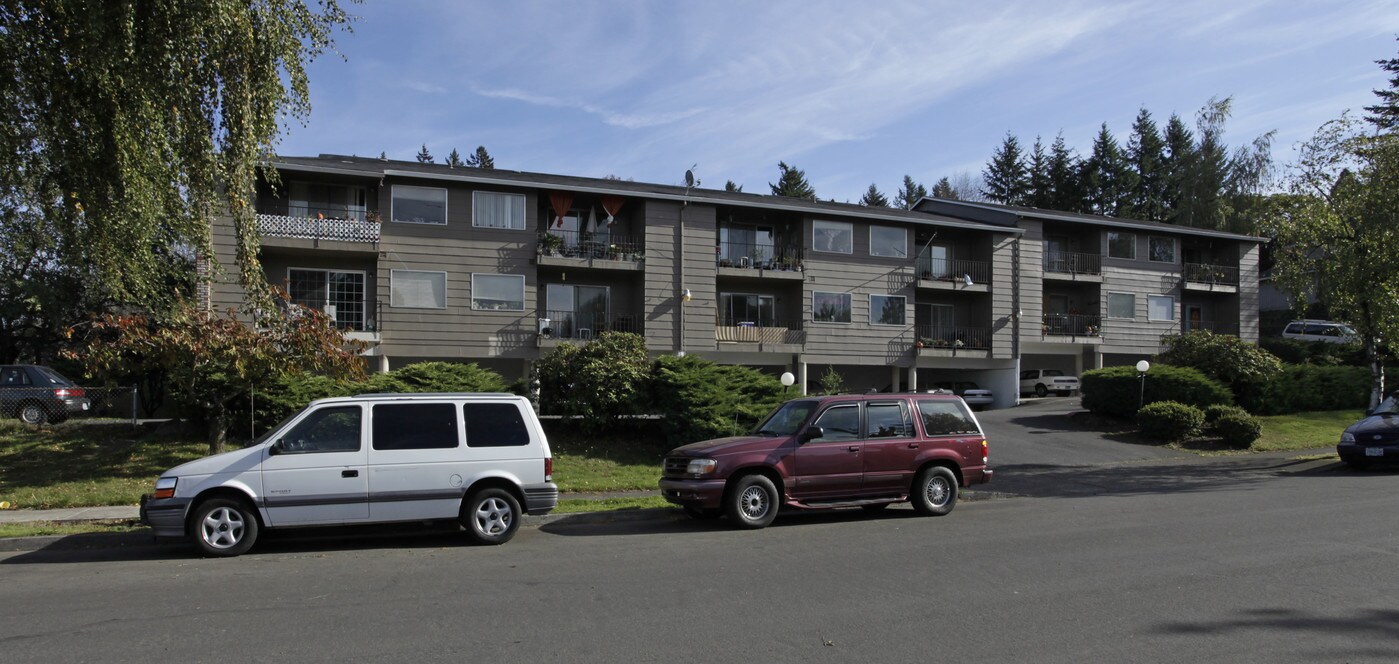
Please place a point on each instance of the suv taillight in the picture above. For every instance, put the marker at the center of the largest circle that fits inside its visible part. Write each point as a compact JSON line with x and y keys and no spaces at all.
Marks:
{"x":985,"y":450}
{"x":68,"y":392}
{"x":548,"y":469}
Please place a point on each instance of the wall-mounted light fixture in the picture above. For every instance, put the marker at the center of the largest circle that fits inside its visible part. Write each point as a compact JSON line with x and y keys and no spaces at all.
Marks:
{"x":685,"y":295}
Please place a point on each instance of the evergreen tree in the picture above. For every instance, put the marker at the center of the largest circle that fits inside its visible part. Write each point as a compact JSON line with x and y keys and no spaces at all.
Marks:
{"x":1040,"y":189}
{"x":792,"y":183}
{"x":1211,"y":166}
{"x":943,"y":189}
{"x":1178,"y":168}
{"x":1385,"y":115}
{"x":909,"y":194}
{"x":873,"y":198}
{"x":1066,"y":192}
{"x":454,"y":159}
{"x":425,"y":157}
{"x":733,"y":187}
{"x":1107,"y":176}
{"x":1005,"y":179}
{"x":480,"y":158}
{"x":1146,"y":153}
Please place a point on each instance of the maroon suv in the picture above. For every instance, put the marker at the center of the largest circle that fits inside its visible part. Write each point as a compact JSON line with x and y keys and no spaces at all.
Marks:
{"x":838,"y":451}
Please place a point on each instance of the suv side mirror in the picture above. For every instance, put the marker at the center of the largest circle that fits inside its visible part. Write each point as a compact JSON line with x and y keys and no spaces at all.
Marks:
{"x":811,"y":433}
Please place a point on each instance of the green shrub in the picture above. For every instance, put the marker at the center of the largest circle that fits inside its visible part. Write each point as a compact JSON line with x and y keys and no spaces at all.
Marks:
{"x":1295,"y":351}
{"x":1238,"y":430}
{"x":1169,"y":421}
{"x":1114,"y":391}
{"x":1306,"y":387}
{"x":1213,"y":413}
{"x":1243,"y":367}
{"x":436,"y":377}
{"x":596,"y":382}
{"x":698,"y":399}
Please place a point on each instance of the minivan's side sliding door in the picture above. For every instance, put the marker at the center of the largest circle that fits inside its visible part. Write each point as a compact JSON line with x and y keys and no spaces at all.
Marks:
{"x":318,"y":474}
{"x":415,"y":461}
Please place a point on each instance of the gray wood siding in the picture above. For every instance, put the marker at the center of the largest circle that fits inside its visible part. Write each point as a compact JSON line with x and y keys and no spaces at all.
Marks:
{"x":1139,"y":277}
{"x":1031,"y":280}
{"x":666,"y":247}
{"x":860,"y":275}
{"x":1248,"y":291}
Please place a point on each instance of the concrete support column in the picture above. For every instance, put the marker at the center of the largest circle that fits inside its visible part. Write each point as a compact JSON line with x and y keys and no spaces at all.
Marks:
{"x":895,"y":377}
{"x":383,"y":364}
{"x":913,"y":378}
{"x":801,"y":375}
{"x":1078,"y":364}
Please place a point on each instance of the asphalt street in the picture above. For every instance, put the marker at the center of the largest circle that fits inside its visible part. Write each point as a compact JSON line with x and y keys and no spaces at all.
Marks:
{"x":1148,"y":558}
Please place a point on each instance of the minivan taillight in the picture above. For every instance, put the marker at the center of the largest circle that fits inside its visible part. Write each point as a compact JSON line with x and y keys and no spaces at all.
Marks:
{"x":548,"y":469}
{"x":68,"y":392}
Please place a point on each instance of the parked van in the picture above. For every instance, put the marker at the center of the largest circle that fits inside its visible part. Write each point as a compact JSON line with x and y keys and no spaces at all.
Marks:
{"x":1320,"y":330}
{"x":479,"y":459}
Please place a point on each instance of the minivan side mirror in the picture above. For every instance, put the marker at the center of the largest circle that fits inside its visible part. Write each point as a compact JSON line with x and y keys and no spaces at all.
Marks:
{"x":275,"y":448}
{"x":812,"y":433}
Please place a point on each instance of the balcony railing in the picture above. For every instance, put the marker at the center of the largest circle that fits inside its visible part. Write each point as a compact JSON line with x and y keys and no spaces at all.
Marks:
{"x":1204,"y":273}
{"x":1217,"y":327}
{"x":1072,"y":325}
{"x":947,"y":269}
{"x":758,"y":329}
{"x":955,"y":337}
{"x":349,"y":317}
{"x":757,"y":257}
{"x":327,"y":211}
{"x":586,"y":325}
{"x":581,"y":244}
{"x":318,"y":228}
{"x":1072,"y":262}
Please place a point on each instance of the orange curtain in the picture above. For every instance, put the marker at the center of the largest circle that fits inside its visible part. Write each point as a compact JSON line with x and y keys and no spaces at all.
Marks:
{"x":561,"y":202}
{"x":613,"y":205}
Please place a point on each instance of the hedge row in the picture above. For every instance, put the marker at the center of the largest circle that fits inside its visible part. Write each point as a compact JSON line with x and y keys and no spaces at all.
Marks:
{"x":1293,"y":351}
{"x":1115,"y":391}
{"x":1305,"y":387}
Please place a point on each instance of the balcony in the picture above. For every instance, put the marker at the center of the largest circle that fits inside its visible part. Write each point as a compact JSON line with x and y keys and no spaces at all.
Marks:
{"x":1206,"y":277}
{"x":318,"y":228}
{"x":770,"y":334}
{"x":952,"y":340}
{"x":758,"y":260}
{"x":1073,"y":266}
{"x":950,"y":274}
{"x":567,"y":325}
{"x":1073,"y":328}
{"x":358,"y":321}
{"x":582,"y":249}
{"x":1217,"y":327}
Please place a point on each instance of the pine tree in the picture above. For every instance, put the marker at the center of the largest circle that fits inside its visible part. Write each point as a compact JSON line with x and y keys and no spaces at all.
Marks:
{"x":425,"y":157}
{"x":1178,"y":169}
{"x":1005,"y":179}
{"x":873,"y":198}
{"x":733,"y":187}
{"x":943,"y":189}
{"x":480,"y":158}
{"x":1146,"y":153}
{"x":792,"y":183}
{"x":1385,"y":115}
{"x":1108,"y":177}
{"x":909,"y":194}
{"x":1066,"y":191}
{"x":1211,"y":167}
{"x":1039,"y":188}
{"x":454,"y":159}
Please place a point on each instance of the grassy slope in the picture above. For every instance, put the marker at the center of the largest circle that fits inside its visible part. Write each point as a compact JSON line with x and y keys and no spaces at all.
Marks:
{"x":1305,"y":430}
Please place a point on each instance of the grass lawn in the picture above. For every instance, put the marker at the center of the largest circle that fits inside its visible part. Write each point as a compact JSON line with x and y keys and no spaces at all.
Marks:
{"x":40,"y":528}
{"x":610,"y":504}
{"x":1305,"y":430}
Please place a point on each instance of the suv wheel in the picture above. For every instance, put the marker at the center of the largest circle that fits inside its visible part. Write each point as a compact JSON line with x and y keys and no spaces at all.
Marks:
{"x":223,"y":527}
{"x":1041,"y":390}
{"x":31,"y":413}
{"x":491,"y":516}
{"x":752,"y":503}
{"x":934,"y":491}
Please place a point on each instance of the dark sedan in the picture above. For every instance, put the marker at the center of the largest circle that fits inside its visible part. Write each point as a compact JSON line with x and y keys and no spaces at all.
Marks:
{"x":1374,"y":438}
{"x":37,"y":394}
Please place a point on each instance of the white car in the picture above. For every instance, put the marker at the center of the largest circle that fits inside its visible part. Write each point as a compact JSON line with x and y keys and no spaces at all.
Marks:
{"x":1320,"y":330}
{"x":1044,"y":381}
{"x":479,"y":459}
{"x":970,"y":392}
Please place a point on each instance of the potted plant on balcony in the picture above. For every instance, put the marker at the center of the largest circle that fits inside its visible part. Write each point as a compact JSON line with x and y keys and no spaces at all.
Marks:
{"x":374,"y":217}
{"x":550,"y":244}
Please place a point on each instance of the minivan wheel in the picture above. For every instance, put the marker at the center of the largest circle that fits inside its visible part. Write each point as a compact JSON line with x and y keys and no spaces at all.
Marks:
{"x":1041,"y":391}
{"x":934,"y":491}
{"x":491,"y":516}
{"x":31,"y":413}
{"x":223,"y":527}
{"x":752,"y":502}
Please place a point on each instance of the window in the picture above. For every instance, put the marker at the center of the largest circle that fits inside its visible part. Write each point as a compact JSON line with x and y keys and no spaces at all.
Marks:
{"x":325,"y":430}
{"x":495,"y":210}
{"x":944,"y":418}
{"x":745,"y":246}
{"x":887,"y":309}
{"x":1161,"y":249}
{"x":413,"y":289}
{"x":419,"y":205}
{"x":338,"y":293}
{"x":747,"y":309}
{"x":833,"y":237}
{"x":785,"y":420}
{"x":1122,"y":245}
{"x":830,"y":307}
{"x":1160,"y":307}
{"x":578,"y":312}
{"x":886,"y":241}
{"x":313,"y":199}
{"x":888,"y":420}
{"x":494,"y":425}
{"x":1122,"y":305}
{"x":498,"y":292}
{"x":839,"y":423}
{"x":415,"y":426}
{"x":13,"y":376}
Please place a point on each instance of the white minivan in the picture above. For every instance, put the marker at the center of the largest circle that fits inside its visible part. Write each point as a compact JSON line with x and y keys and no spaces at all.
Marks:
{"x":1320,"y":330}
{"x":479,"y":459}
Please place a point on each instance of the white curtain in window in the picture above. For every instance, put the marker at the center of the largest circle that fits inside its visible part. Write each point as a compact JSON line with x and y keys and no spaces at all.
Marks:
{"x":499,"y":210}
{"x":418,"y":290}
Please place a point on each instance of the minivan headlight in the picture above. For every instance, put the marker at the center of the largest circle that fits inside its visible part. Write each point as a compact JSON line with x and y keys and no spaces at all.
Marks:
{"x":700,"y":467}
{"x":165,"y":487}
{"x":1347,"y":437}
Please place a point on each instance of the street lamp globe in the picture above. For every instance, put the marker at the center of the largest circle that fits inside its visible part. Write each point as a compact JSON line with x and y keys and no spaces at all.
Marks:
{"x":788,"y":379}
{"x":1143,"y":366}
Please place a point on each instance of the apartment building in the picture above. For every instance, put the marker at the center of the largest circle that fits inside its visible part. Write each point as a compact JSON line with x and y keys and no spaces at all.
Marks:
{"x":425,"y":262}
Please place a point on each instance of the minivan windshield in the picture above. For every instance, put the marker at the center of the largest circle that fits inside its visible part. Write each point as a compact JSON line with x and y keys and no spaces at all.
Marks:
{"x":786,"y":419}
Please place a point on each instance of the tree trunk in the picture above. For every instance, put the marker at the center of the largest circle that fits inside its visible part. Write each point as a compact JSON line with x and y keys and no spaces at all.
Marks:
{"x":218,"y":431}
{"x":1376,"y":373}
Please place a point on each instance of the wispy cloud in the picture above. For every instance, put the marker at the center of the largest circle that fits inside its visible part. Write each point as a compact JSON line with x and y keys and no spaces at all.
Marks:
{"x":624,"y":120}
{"x":428,"y":88}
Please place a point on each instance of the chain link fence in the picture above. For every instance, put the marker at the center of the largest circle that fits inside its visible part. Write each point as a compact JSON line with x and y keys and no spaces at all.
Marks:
{"x":51,"y":405}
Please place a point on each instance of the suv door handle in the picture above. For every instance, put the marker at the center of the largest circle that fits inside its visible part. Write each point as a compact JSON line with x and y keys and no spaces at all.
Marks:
{"x":854,"y":448}
{"x":349,"y":473}
{"x":913,"y":446}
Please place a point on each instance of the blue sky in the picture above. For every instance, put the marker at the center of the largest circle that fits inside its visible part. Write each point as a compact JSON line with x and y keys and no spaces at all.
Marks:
{"x":850,"y":92}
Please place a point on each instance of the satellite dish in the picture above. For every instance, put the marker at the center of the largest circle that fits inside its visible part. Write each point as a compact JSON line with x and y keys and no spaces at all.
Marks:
{"x":689,"y":178}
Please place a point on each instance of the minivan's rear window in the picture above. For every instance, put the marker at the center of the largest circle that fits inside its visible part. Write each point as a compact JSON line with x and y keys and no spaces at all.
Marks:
{"x":415,"y":426}
{"x":494,"y":425}
{"x":944,"y":418}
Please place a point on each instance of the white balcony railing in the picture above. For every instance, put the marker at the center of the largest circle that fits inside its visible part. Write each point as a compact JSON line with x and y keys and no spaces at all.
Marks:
{"x":312,"y":228}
